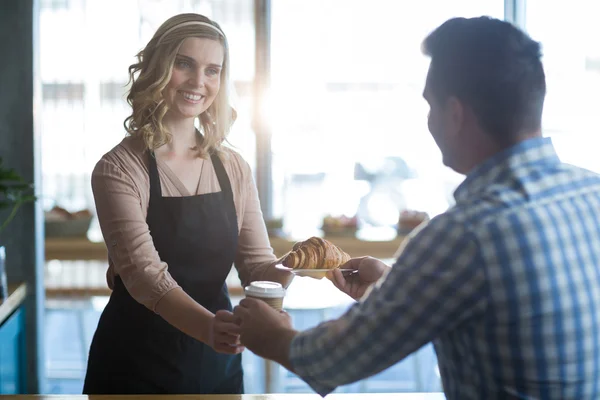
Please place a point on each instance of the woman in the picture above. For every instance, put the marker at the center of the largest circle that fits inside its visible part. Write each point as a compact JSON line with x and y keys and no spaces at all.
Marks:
{"x":176,"y":210}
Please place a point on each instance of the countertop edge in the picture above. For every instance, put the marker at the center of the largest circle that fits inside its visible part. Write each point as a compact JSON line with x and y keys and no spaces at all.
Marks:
{"x":16,"y":296}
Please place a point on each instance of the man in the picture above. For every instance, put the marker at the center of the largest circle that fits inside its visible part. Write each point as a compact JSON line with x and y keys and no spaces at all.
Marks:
{"x":507,"y":282}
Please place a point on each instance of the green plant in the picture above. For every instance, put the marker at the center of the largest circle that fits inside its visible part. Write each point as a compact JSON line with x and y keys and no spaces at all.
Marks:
{"x":14,"y":192}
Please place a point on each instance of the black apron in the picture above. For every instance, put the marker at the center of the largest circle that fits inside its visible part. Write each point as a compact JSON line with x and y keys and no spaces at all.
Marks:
{"x":134,"y":350}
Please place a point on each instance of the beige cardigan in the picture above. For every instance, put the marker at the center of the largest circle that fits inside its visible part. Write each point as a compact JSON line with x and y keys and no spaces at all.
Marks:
{"x":121,"y":188}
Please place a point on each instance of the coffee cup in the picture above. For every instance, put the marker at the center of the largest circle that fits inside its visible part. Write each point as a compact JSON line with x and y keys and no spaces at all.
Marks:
{"x":271,"y":293}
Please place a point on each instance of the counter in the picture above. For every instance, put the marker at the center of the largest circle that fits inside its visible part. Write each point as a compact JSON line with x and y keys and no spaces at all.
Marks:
{"x":357,"y":396}
{"x":16,"y":297}
{"x":12,"y":341}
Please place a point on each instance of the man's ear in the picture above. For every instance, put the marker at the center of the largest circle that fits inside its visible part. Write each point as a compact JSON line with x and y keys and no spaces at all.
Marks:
{"x":454,"y":115}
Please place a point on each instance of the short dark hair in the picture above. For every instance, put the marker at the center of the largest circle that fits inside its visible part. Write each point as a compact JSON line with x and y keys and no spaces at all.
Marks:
{"x":494,"y":68}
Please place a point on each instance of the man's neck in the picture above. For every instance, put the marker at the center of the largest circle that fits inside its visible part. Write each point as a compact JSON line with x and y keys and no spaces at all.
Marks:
{"x":483,"y":150}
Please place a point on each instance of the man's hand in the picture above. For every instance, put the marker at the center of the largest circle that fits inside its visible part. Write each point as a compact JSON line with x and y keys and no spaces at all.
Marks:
{"x":225,"y":333}
{"x":265,"y":331}
{"x":368,"y":271}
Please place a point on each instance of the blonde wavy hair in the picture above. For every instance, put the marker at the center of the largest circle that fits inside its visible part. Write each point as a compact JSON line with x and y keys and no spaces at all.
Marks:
{"x":152,"y":73}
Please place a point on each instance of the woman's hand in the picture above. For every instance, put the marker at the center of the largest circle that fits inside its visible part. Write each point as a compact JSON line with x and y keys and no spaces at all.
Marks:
{"x":277,"y":275}
{"x":366,"y":271}
{"x":225,"y":333}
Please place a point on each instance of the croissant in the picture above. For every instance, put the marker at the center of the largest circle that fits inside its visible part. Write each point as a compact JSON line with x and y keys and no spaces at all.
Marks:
{"x":315,"y":253}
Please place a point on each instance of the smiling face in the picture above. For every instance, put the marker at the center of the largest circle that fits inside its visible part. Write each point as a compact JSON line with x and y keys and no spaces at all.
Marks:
{"x":195,"y":79}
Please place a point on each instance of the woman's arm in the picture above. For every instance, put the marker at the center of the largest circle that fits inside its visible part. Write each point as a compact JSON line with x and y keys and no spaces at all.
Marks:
{"x":220,"y":330}
{"x":255,"y":259}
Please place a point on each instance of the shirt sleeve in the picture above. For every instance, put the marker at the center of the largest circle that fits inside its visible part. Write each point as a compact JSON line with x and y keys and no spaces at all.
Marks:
{"x":436,"y":283}
{"x":254,"y":253}
{"x":127,"y":236}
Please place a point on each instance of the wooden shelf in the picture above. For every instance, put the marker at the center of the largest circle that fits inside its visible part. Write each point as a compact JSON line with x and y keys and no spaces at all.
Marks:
{"x":75,"y":249}
{"x":83,"y":249}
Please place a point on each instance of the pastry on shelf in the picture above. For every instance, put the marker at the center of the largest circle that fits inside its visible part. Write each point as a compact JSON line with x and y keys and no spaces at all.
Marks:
{"x":410,"y":219}
{"x":58,"y":222}
{"x":315,"y":253}
{"x":340,"y":226}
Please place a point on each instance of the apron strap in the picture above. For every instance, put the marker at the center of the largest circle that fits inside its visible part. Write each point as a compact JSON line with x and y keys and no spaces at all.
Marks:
{"x":222,"y":177}
{"x":155,"y":189}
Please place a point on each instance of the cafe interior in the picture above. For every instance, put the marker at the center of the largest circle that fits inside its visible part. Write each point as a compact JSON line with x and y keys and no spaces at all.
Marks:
{"x":331,"y":120}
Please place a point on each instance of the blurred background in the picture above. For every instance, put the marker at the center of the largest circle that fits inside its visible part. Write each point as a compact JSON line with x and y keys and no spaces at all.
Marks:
{"x":331,"y":119}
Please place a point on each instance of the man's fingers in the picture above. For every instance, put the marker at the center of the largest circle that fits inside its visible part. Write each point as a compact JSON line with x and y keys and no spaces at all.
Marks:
{"x":329,"y":275}
{"x":224,"y":315}
{"x":239,"y":349}
{"x":229,"y":339}
{"x":353,"y":263}
{"x":287,"y":316}
{"x":338,"y":279}
{"x":240,"y":312}
{"x":227,"y":349}
{"x":248,"y":302}
{"x":350,"y":264}
{"x":244,"y":308}
{"x":226,"y":327}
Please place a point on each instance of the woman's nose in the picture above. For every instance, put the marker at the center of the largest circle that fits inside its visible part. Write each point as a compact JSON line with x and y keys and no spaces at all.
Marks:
{"x":198,"y":78}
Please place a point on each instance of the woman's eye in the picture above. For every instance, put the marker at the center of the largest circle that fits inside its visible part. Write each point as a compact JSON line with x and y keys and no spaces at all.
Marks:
{"x":212,"y":71}
{"x":183,"y":64}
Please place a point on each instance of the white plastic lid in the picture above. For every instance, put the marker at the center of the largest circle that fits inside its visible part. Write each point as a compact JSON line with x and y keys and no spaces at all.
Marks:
{"x":265,"y":289}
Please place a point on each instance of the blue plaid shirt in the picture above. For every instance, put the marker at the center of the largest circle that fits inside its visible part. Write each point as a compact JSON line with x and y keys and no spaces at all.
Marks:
{"x":506,"y":284}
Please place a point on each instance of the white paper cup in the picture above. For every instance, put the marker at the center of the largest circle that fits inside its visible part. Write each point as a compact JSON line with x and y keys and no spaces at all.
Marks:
{"x":271,"y":293}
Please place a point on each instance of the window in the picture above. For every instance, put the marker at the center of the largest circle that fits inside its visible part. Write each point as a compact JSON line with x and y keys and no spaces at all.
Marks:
{"x":349,"y":123}
{"x":113,"y":92}
{"x":55,"y":5}
{"x":569,"y":35}
{"x":67,"y":92}
{"x":84,"y":82}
